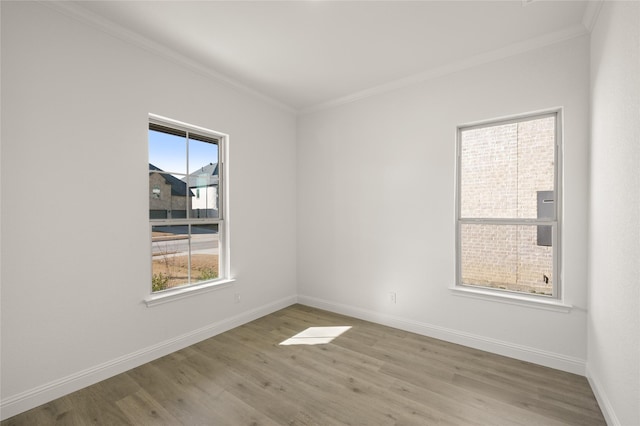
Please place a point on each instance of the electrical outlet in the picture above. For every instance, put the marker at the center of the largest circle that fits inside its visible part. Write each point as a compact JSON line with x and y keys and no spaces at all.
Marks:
{"x":236,"y":298}
{"x":392,"y":297}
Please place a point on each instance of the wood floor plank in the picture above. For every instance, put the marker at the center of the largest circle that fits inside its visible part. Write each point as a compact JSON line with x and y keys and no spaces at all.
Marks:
{"x":226,"y":408}
{"x":500,"y":365}
{"x":311,"y":374}
{"x":187,"y":401}
{"x":369,"y":375}
{"x":142,"y":409}
{"x":349,"y":379}
{"x":529,"y":385}
{"x":53,"y":413}
{"x":463,"y":405}
{"x":310,"y":389}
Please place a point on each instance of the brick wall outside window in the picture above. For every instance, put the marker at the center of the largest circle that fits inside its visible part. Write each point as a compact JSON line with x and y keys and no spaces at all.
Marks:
{"x":502,"y":168}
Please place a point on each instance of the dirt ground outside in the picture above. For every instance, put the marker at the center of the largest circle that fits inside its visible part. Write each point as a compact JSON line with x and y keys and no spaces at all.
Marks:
{"x":203,"y":267}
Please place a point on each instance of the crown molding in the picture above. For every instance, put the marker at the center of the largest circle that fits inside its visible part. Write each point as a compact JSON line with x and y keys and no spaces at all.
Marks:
{"x":76,"y":11}
{"x":495,"y":55}
{"x":591,"y":13}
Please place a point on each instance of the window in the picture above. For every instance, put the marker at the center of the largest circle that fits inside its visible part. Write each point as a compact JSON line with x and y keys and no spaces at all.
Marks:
{"x":507,"y":233}
{"x":186,"y":205}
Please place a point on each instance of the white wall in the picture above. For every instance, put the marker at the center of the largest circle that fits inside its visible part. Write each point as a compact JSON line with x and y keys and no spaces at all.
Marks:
{"x":614,"y":226}
{"x":75,"y":264}
{"x":376,"y":205}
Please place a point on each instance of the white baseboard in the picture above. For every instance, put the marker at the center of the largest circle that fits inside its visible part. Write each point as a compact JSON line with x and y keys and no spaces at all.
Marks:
{"x":603,"y":401}
{"x":512,"y":350}
{"x":32,"y":398}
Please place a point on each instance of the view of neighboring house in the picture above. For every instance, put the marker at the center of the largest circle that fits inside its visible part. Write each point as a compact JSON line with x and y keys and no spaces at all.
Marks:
{"x":169,"y":197}
{"x":203,"y":184}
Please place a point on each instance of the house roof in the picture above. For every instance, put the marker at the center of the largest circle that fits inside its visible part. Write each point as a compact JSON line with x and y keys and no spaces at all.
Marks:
{"x":204,"y":176}
{"x":177,"y":186}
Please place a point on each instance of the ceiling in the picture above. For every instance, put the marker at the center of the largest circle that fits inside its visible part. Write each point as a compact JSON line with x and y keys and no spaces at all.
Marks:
{"x":306,"y":54}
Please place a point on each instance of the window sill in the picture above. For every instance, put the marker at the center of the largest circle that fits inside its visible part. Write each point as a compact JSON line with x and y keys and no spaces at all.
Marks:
{"x":181,"y":293}
{"x":513,"y":299}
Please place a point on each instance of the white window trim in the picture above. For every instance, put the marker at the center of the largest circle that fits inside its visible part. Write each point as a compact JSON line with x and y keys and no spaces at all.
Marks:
{"x":224,"y":260}
{"x":512,"y":298}
{"x":165,"y":296}
{"x":555,"y":302}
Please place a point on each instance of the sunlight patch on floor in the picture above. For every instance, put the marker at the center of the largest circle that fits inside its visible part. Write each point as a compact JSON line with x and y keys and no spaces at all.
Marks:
{"x":316,"y":336}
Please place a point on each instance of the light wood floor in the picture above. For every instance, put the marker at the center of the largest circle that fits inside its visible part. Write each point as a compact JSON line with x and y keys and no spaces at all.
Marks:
{"x":370,"y":375}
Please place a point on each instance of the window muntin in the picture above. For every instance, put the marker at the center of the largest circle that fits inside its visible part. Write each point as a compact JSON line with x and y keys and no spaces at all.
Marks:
{"x":187,"y":232}
{"x":507,"y":204}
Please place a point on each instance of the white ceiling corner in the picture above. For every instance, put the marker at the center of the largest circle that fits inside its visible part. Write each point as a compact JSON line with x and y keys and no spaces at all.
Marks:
{"x":486,"y":57}
{"x":75,"y":10}
{"x":309,"y":55}
{"x":591,"y":13}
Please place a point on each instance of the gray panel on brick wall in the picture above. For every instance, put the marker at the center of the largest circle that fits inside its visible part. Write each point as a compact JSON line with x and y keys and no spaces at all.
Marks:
{"x":546,"y":210}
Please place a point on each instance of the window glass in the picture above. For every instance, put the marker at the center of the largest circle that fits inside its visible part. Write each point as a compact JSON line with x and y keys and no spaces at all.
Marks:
{"x":502,"y":168}
{"x":168,"y":152}
{"x":204,"y":252}
{"x":170,"y":251}
{"x":507,"y":206}
{"x":184,"y":206}
{"x":204,"y":178}
{"x":506,"y":257}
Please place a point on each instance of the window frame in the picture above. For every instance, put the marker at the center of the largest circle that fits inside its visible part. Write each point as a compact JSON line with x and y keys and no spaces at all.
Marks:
{"x":556,"y":223}
{"x":224,"y":279}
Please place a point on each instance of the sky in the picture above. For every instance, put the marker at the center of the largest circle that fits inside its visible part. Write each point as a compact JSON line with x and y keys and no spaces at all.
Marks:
{"x":169,"y":153}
